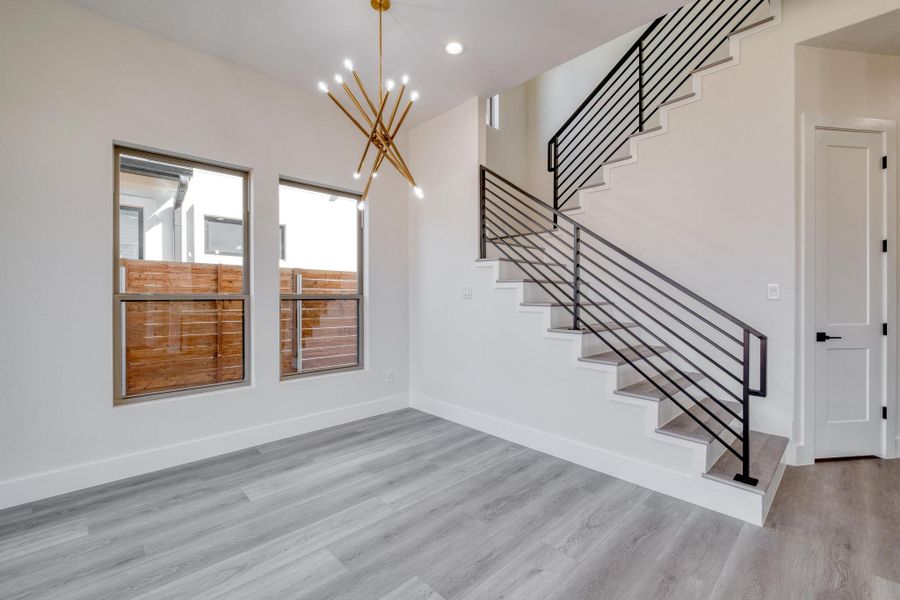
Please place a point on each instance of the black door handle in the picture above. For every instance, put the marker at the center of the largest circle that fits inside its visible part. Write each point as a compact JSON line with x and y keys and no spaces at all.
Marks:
{"x":821,"y":336}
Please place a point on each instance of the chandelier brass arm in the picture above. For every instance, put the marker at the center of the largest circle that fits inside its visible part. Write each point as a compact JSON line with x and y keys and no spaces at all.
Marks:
{"x":378,"y":131}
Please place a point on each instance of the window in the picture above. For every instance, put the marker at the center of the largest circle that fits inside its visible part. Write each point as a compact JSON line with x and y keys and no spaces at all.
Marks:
{"x":131,"y":232}
{"x":224,"y":236}
{"x":321,"y":280}
{"x":493,"y":111}
{"x":181,"y":279}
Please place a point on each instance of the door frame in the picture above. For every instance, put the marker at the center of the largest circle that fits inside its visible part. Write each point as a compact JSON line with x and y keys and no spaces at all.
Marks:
{"x":804,"y":414}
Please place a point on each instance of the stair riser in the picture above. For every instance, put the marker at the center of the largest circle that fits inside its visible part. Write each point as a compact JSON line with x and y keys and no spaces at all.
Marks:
{"x":533,"y":292}
{"x":666,"y":362}
{"x":511,"y":270}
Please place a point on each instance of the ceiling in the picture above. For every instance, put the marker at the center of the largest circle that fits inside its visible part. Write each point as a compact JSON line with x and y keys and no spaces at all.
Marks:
{"x":304,"y":41}
{"x":877,"y":36}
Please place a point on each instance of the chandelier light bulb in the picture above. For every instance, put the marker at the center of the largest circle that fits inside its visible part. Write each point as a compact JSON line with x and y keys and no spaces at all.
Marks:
{"x":323,"y":87}
{"x":356,"y":175}
{"x":389,"y":85}
{"x":375,"y":175}
{"x":413,"y":96}
{"x":338,"y":79}
{"x":361,"y":205}
{"x":418,"y":192}
{"x":405,"y":79}
{"x":348,"y":64}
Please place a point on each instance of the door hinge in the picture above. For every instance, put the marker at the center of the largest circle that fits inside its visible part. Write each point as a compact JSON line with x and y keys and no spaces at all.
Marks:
{"x":884,"y":245}
{"x":884,"y":162}
{"x":884,"y":412}
{"x":884,"y":329}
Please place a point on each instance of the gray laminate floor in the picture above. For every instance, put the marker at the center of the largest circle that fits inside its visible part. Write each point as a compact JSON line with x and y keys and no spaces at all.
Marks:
{"x":406,"y":506}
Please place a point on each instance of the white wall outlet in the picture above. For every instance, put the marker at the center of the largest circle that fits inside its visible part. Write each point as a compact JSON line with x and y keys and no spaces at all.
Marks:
{"x":389,"y":377}
{"x":467,"y":292}
{"x":773,"y":291}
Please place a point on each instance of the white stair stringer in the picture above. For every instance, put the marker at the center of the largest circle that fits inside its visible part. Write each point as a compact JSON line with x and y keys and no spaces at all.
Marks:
{"x":693,"y":483}
{"x":690,"y":96}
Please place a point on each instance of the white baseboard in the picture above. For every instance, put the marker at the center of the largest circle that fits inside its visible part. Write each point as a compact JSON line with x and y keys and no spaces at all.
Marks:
{"x":52,"y":483}
{"x":725,"y":499}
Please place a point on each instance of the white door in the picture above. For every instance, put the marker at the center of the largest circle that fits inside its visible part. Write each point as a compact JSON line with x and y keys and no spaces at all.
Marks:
{"x":849,"y":302}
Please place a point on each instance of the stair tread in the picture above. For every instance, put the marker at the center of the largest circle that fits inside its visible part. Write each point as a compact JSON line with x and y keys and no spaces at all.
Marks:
{"x":550,"y":304}
{"x":528,"y":262}
{"x":611,"y":358}
{"x":712,"y":64}
{"x":648,"y":391}
{"x":597,"y":327}
{"x":532,"y":280}
{"x":616,"y":160}
{"x":646,"y":131}
{"x":678,"y":99}
{"x":684,"y":427}
{"x":766,"y":452}
{"x":752,"y":25}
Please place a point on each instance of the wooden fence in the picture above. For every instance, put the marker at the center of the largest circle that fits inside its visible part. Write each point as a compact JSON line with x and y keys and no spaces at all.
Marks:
{"x":177,"y":344}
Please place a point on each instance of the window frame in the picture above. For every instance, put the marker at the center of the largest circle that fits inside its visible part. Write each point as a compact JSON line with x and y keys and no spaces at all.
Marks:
{"x":359,"y":297}
{"x":140,"y":215}
{"x":212,"y":218}
{"x":493,"y":111}
{"x":120,"y":298}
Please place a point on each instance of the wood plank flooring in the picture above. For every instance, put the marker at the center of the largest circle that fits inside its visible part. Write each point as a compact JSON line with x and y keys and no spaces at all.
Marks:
{"x":406,"y":506}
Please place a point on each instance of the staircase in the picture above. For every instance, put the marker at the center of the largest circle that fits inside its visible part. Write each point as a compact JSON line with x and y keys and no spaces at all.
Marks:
{"x":691,"y":365}
{"x":661,"y":72}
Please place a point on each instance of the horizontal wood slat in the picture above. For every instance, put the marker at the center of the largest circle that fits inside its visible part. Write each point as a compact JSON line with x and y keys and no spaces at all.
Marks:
{"x":176,"y":344}
{"x":327,"y":328}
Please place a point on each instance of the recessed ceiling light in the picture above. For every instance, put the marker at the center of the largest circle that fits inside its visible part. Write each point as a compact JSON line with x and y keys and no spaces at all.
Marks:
{"x":455,"y":48}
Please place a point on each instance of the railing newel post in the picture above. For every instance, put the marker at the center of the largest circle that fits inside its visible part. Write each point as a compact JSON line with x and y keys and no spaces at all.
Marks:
{"x":641,"y":85}
{"x":576,"y":283}
{"x":483,"y":232}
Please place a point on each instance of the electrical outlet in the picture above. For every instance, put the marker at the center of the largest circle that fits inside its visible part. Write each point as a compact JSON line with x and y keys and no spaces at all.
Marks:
{"x":467,"y":292}
{"x":773,"y":291}
{"x":389,"y":377}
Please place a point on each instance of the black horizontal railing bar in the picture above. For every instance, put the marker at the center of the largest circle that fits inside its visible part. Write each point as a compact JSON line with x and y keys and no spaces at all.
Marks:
{"x":683,"y":33}
{"x":613,"y":95}
{"x":622,"y":123}
{"x":566,"y":298}
{"x":711,"y":39}
{"x":529,"y":216}
{"x":604,"y":156}
{"x":712,"y":51}
{"x":637,"y":261}
{"x":680,"y":304}
{"x":596,"y":151}
{"x":528,"y":250}
{"x":550,"y":232}
{"x":597,"y":161}
{"x":660,"y":372}
{"x":634,"y":48}
{"x":576,"y":145}
{"x":673,"y":333}
{"x":629,"y":69}
{"x":674,"y":24}
{"x":621,"y":83}
{"x":506,"y":223}
{"x":669,"y":346}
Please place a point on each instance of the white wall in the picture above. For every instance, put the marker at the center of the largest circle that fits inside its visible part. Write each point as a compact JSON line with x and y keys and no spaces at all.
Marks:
{"x":532,"y":112}
{"x":71,"y":83}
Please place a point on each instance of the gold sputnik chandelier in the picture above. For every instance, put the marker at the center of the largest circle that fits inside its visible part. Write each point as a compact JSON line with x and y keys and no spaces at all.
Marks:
{"x":375,"y":120}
